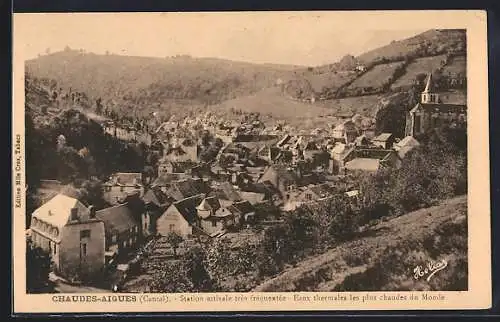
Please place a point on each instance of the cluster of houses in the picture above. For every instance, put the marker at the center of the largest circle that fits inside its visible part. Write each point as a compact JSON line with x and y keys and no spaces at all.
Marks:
{"x":192,"y":198}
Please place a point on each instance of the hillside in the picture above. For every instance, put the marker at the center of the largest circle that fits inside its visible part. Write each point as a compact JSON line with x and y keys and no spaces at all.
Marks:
{"x":273,"y":105}
{"x":429,"y":43}
{"x":143,"y":80}
{"x":384,"y":257}
{"x":426,"y":50}
{"x":135,"y":87}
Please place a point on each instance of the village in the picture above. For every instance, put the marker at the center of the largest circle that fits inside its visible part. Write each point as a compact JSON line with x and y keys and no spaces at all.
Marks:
{"x":250,"y":176}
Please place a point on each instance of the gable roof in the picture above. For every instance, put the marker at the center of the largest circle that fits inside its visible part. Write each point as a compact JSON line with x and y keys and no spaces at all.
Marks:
{"x":242,"y":208}
{"x":156,"y":197}
{"x":118,"y":218}
{"x":187,"y":207}
{"x":187,"y":187}
{"x":429,"y":86}
{"x":364,"y":164}
{"x":209,"y":203}
{"x":57,"y":211}
{"x":383,"y":137}
{"x":226,"y":191}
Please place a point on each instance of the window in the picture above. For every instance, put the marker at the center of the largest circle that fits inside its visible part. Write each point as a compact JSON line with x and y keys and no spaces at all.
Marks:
{"x":84,"y":234}
{"x":214,"y":223}
{"x":171,"y":227}
{"x":83,"y":250}
{"x":122,"y":188}
{"x":114,"y":238}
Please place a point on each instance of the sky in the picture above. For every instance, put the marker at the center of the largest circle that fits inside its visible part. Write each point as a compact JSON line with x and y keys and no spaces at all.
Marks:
{"x":307,"y":39}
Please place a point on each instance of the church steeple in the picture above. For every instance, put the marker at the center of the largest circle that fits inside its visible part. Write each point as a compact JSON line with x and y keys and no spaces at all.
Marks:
{"x":428,"y":95}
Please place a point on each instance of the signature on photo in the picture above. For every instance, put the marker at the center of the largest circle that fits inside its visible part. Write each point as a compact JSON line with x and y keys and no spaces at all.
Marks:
{"x":429,"y":270}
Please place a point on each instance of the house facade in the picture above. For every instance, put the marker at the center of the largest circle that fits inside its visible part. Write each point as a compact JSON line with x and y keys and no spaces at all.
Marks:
{"x":73,"y":236}
{"x":122,"y":184}
{"x":122,"y":230}
{"x":180,"y":217}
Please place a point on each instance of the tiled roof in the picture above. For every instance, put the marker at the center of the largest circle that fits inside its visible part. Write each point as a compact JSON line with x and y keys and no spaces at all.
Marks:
{"x":364,"y":164}
{"x":117,"y":219}
{"x":383,"y":137}
{"x":57,"y":211}
{"x":187,"y":207}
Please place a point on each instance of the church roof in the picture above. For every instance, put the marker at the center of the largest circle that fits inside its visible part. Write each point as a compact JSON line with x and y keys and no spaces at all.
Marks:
{"x":440,"y":108}
{"x":429,"y":86}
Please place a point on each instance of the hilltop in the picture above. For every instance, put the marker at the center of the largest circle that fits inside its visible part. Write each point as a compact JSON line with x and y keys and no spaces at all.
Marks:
{"x":139,"y":80}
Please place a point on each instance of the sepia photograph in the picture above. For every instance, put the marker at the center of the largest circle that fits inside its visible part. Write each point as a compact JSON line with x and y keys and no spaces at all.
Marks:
{"x":244,"y":153}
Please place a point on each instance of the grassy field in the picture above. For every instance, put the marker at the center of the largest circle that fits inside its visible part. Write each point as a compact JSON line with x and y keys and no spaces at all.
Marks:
{"x":421,"y":65}
{"x":457,"y":65}
{"x":384,"y":256}
{"x":376,"y":77}
{"x":272,"y":105}
{"x":329,"y":80}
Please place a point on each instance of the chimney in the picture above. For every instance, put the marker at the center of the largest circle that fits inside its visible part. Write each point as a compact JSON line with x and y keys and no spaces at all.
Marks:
{"x":92,"y":212}
{"x":74,"y":214}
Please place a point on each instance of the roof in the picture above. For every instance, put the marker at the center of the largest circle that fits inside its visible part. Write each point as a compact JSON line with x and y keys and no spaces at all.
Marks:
{"x":127,"y":178}
{"x":440,"y":108}
{"x":407,"y":141}
{"x":286,"y":173}
{"x":364,"y":164}
{"x":429,"y":86}
{"x":226,"y":191}
{"x":383,"y":137}
{"x":118,"y":218}
{"x":167,"y":178}
{"x":242,"y":207}
{"x":209,"y":203}
{"x":57,"y":211}
{"x":179,"y":166}
{"x":186,"y":188}
{"x":187,"y":207}
{"x":252,"y":197}
{"x":155,"y":196}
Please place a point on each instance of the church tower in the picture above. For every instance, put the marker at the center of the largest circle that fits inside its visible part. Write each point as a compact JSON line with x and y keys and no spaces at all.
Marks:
{"x":429,"y":96}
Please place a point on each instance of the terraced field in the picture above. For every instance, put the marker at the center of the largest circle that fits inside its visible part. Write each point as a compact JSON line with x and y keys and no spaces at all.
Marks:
{"x":376,"y":77}
{"x":421,"y":65}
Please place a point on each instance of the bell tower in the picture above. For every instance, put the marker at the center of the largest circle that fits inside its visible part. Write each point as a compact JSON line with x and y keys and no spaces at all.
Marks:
{"x":429,"y":96}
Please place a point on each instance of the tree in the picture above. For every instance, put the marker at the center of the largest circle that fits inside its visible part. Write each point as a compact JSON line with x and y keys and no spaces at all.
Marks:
{"x":37,"y":269}
{"x":193,"y":263}
{"x":174,"y":240}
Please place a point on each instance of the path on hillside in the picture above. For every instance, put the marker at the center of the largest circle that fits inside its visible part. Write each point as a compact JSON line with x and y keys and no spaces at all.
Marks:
{"x":324,"y":272}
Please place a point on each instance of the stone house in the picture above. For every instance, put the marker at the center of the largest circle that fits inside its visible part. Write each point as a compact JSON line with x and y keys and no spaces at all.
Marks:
{"x":180,"y":218}
{"x":122,"y":184}
{"x":122,"y":230}
{"x":73,"y":236}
